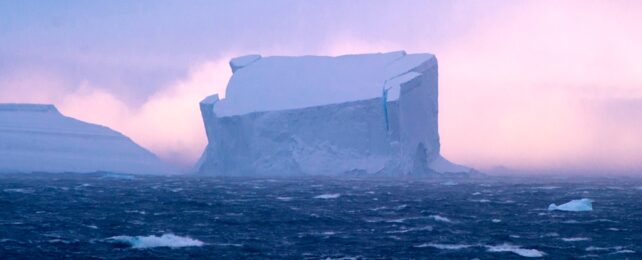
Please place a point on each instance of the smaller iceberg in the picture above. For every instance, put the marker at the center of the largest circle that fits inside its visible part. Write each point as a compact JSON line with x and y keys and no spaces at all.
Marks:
{"x":573,"y":205}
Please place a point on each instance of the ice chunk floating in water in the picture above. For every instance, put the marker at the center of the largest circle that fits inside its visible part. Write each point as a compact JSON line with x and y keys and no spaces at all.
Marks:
{"x":318,"y":115}
{"x":166,"y":240}
{"x":573,"y":205}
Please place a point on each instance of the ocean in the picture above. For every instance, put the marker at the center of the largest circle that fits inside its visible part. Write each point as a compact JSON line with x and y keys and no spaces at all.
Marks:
{"x":114,"y":216}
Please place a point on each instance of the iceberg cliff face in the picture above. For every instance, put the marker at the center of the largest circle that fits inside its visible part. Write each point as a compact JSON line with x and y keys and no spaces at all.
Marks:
{"x":372,"y":113}
{"x":37,"y":138}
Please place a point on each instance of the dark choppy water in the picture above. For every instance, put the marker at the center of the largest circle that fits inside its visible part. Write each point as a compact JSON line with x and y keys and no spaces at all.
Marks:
{"x":83,"y":216}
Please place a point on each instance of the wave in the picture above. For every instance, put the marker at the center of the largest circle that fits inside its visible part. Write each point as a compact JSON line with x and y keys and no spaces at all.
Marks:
{"x":328,"y":196}
{"x":166,"y":240}
{"x":575,"y":239}
{"x":516,"y":249}
{"x":440,"y":218}
{"x":445,"y":246}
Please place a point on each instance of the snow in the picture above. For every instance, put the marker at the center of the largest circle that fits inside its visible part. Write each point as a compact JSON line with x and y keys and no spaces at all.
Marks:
{"x":319,"y":115}
{"x":37,"y":138}
{"x":240,"y":62}
{"x":166,"y":240}
{"x":573,"y":205}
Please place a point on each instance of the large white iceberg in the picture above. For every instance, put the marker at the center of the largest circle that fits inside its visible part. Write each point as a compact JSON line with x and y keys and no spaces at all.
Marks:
{"x":318,"y":115}
{"x":573,"y":205}
{"x":37,"y":138}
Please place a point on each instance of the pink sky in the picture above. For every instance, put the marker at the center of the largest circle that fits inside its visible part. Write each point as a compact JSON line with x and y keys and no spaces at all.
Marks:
{"x":537,"y":85}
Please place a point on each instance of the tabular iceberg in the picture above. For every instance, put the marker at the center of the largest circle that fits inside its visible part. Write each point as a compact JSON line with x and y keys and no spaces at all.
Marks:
{"x":37,"y":138}
{"x":318,"y":115}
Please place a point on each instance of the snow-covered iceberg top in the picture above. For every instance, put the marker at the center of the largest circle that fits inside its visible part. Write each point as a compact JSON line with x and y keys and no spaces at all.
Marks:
{"x":573,"y":205}
{"x":37,"y":138}
{"x":279,"y":82}
{"x":319,"y":115}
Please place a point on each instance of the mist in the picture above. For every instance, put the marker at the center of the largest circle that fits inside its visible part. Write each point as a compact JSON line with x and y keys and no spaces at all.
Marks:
{"x":534,"y":86}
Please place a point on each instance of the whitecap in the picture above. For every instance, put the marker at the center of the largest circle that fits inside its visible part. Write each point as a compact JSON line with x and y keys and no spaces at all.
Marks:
{"x":495,"y":220}
{"x":284,"y":198}
{"x":444,"y":246}
{"x":516,"y":250}
{"x":328,"y":196}
{"x":166,"y":240}
{"x":625,"y":251}
{"x":575,"y":239}
{"x":227,"y":245}
{"x":440,"y":218}
{"x":426,"y":228}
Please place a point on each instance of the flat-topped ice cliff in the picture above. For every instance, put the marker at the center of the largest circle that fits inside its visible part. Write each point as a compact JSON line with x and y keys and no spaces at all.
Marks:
{"x":318,"y":115}
{"x":37,"y":138}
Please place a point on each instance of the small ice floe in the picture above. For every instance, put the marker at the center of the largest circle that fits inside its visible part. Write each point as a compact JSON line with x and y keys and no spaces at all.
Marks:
{"x":516,"y":250}
{"x":444,"y":246}
{"x":166,"y":240}
{"x":284,"y":198}
{"x":440,"y":218}
{"x":328,"y":196}
{"x":575,"y":239}
{"x":573,"y":205}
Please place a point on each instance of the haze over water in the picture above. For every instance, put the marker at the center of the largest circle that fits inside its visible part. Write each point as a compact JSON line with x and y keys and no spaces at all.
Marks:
{"x":535,"y":86}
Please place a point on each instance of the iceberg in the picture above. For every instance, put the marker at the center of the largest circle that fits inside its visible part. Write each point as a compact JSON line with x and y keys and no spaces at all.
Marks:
{"x":573,"y":205}
{"x":320,"y":115}
{"x":38,"y":138}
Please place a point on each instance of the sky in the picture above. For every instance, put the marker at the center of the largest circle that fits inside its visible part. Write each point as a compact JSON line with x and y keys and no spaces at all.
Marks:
{"x":525,"y":86}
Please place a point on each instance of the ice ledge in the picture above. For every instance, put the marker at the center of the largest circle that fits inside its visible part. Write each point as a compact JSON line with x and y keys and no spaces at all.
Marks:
{"x":28,"y":108}
{"x":243,"y":61}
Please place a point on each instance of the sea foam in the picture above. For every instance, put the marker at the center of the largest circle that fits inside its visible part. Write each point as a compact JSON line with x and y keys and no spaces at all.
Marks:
{"x":166,"y":240}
